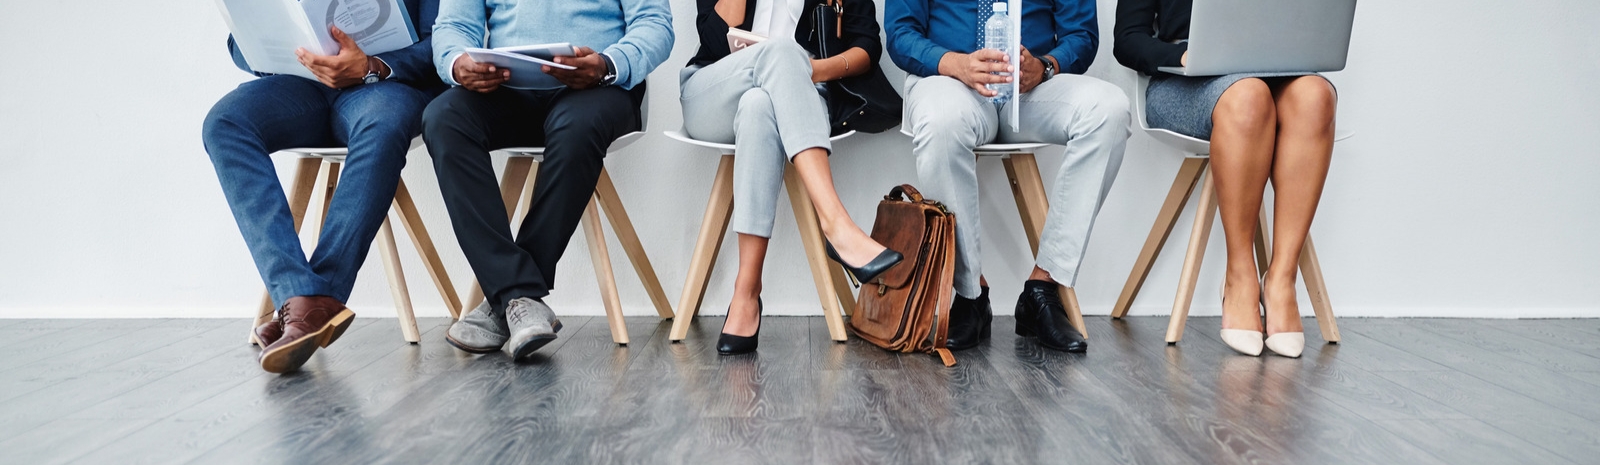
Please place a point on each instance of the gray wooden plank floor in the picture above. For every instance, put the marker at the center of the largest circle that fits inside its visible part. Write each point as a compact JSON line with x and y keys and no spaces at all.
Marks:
{"x":1444,"y":391}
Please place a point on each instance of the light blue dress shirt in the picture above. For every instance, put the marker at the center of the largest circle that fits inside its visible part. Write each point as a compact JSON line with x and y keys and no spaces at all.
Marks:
{"x":636,"y":34}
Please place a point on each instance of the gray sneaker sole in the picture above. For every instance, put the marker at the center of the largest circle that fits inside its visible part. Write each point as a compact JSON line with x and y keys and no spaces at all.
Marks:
{"x":532,"y":345}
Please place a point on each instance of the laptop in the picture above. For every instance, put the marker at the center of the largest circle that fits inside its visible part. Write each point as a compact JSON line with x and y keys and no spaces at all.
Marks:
{"x":1260,"y":36}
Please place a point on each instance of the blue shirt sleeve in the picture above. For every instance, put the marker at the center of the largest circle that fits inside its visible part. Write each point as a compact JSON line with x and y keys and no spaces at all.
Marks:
{"x":906,"y":24}
{"x":461,"y":24}
{"x":1078,"y":35}
{"x":646,"y":41}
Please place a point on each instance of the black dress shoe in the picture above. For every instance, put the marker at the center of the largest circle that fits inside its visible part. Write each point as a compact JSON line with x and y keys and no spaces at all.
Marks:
{"x":1041,"y":314}
{"x":885,"y":260}
{"x":969,"y":321}
{"x":728,"y":344}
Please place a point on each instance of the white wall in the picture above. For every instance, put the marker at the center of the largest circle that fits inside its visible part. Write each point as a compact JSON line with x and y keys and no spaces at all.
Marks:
{"x":1469,"y":189}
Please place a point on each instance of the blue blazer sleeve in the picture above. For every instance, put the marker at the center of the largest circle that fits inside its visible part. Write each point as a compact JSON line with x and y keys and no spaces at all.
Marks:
{"x":906,"y":24}
{"x":1078,"y":35}
{"x":414,"y":64}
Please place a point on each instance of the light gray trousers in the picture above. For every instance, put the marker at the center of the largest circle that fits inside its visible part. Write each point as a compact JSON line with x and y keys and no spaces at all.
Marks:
{"x":762,"y":100}
{"x":1087,"y":115}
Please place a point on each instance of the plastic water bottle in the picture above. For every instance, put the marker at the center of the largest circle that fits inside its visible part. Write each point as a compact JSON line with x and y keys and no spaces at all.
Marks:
{"x":998,"y":35}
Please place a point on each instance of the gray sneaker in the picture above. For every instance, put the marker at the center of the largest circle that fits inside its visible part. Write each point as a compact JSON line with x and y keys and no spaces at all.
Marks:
{"x":533,"y":325}
{"x":480,"y":331}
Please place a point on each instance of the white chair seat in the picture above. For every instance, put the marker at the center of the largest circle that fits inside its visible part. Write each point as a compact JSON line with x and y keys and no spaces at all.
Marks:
{"x":337,"y":154}
{"x":728,"y":148}
{"x":538,"y":152}
{"x":995,"y":150}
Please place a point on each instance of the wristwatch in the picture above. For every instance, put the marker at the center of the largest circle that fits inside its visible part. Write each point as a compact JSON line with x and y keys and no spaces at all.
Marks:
{"x":372,"y":73}
{"x":1049,"y":69}
{"x":611,"y":71}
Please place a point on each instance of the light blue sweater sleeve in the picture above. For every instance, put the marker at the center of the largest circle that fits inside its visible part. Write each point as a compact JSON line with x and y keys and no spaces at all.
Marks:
{"x":646,"y":43}
{"x":461,"y":24}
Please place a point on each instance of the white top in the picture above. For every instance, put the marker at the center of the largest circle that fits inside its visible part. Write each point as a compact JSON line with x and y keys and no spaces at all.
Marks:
{"x":777,"y":20}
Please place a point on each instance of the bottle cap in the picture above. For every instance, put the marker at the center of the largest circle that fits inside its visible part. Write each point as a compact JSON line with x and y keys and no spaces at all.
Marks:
{"x":999,"y":7}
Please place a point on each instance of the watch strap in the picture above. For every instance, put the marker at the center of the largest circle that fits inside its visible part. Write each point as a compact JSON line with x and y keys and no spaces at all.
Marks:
{"x":611,"y":71}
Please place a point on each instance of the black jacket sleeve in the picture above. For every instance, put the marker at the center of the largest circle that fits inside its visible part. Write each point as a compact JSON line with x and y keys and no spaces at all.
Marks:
{"x":861,"y":28}
{"x":1136,"y":45}
{"x":713,"y":32}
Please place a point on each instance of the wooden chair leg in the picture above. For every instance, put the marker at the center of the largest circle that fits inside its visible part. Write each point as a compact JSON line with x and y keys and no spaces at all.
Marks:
{"x":713,"y":226}
{"x":412,"y":222}
{"x":1205,"y":213}
{"x":397,"y":282}
{"x":1177,"y":196}
{"x":1310,"y":271}
{"x":305,"y":181}
{"x":1317,"y":290}
{"x":595,"y":236}
{"x":1027,"y":186}
{"x":511,"y":186}
{"x":805,"y":217}
{"x":606,"y":193}
{"x":841,"y":287}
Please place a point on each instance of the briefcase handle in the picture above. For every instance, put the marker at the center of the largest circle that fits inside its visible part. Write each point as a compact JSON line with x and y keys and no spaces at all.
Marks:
{"x":896,"y":193}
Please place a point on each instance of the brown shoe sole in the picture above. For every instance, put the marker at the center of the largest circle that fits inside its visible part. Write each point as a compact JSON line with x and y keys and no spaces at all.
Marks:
{"x":291,"y":356}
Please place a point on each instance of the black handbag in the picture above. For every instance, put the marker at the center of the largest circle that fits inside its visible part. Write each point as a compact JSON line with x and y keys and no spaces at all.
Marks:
{"x":866,"y":102}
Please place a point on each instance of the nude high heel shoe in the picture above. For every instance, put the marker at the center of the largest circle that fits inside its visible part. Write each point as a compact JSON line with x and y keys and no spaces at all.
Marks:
{"x":1244,"y":341}
{"x":1285,"y":344}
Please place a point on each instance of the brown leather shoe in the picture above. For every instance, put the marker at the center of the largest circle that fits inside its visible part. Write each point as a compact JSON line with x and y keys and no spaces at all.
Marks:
{"x":272,"y":330}
{"x":309,"y":322}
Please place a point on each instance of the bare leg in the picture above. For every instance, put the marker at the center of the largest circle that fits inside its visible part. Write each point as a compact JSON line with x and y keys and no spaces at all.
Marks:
{"x":853,"y":244}
{"x":744,"y":317}
{"x":1039,"y":274}
{"x":1306,"y":108}
{"x":1244,"y":124}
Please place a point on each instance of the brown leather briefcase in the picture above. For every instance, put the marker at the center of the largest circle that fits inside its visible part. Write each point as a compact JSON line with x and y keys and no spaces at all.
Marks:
{"x":906,"y":309}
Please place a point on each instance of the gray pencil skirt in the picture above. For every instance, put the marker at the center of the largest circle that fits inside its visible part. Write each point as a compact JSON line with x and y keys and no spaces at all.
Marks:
{"x":1183,"y":104}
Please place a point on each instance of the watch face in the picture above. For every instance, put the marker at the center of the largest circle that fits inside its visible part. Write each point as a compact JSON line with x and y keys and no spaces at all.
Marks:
{"x":370,"y":78}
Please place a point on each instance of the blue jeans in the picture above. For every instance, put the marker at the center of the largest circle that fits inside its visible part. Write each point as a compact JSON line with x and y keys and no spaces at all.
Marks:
{"x":376,"y":121}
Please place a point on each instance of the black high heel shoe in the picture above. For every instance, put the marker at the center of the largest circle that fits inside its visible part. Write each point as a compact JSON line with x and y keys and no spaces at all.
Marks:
{"x":728,"y":344}
{"x":879,"y":264}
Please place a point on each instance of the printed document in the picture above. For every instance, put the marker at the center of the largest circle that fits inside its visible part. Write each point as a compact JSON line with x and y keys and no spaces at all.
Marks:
{"x":268,"y":31}
{"x":526,"y":64}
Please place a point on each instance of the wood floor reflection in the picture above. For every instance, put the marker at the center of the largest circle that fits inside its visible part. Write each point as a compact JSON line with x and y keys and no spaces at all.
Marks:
{"x":1445,"y":391}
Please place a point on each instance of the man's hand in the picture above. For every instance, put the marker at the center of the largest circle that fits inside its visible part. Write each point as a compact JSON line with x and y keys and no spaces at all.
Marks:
{"x":977,"y":69}
{"x":478,"y":77}
{"x":590,"y":67}
{"x":1032,"y":71}
{"x":337,"y":71}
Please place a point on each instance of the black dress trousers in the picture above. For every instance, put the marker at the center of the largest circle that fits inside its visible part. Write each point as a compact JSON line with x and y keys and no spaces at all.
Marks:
{"x":461,"y":127}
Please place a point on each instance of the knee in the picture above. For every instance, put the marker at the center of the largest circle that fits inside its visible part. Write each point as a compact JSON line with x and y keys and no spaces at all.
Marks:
{"x":599,"y":119}
{"x":443,"y":111}
{"x":1111,"y":106}
{"x":754,"y":103}
{"x":223,"y":123}
{"x":1247,"y":104}
{"x":946,"y":126}
{"x":784,"y":53}
{"x":1310,"y":100}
